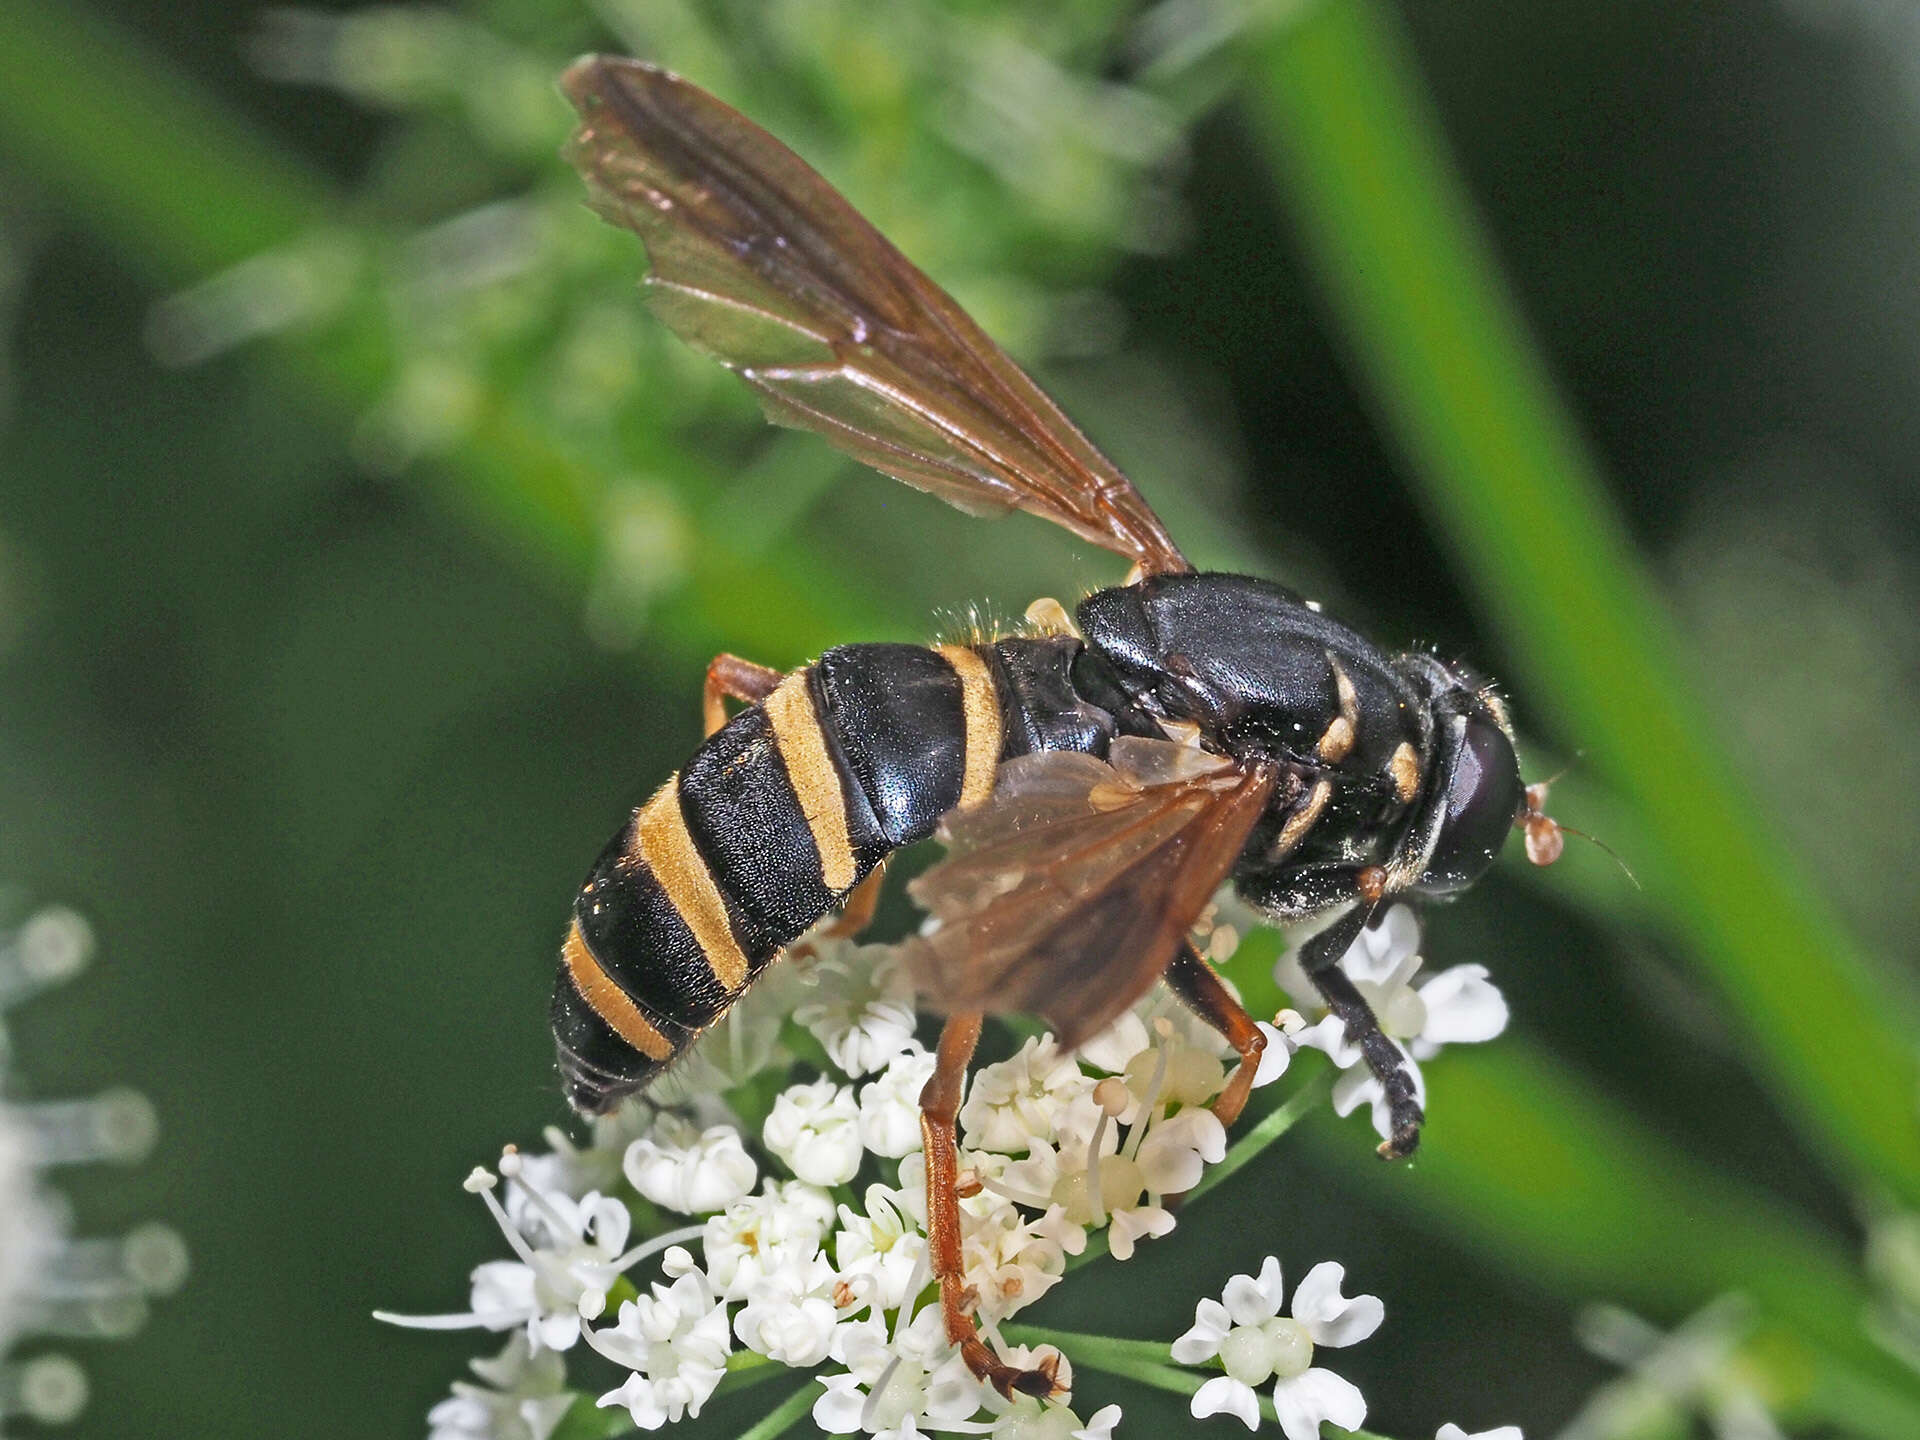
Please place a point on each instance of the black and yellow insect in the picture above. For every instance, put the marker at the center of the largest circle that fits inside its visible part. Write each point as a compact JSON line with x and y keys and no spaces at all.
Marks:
{"x":772,"y":823}
{"x":1095,"y":781}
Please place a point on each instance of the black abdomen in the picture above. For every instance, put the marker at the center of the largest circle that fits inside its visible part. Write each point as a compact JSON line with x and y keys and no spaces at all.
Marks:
{"x":776,"y":817}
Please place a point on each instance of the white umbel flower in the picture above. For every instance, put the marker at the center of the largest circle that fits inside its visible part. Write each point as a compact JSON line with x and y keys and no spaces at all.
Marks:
{"x":1698,"y":1369}
{"x":524,"y":1398}
{"x":790,"y":1315}
{"x":1451,"y":1431}
{"x":863,"y":1010}
{"x":1011,"y":1106}
{"x":564,"y":1270}
{"x":881,"y":1254}
{"x":675,"y":1341}
{"x":753,"y":1238}
{"x":1457,"y":1006}
{"x":890,"y":1105}
{"x":1253,"y":1342}
{"x":1010,"y":1260}
{"x":688,"y":1171}
{"x":897,"y":1381}
{"x":816,"y":1130}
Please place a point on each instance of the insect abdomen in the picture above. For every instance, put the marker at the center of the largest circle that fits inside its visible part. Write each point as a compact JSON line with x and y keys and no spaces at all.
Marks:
{"x":776,"y":817}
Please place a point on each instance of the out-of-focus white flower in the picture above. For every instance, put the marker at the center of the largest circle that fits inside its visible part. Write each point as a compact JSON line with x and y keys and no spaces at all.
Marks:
{"x":674,"y":1340}
{"x":863,"y":1011}
{"x":1011,"y":1106}
{"x":816,"y":1130}
{"x":692,"y":1172}
{"x":784,"y":1225}
{"x":51,"y":1282}
{"x":1253,"y":1341}
{"x":1697,"y":1369}
{"x":1457,"y":1006}
{"x":523,"y":1398}
{"x":1451,"y":1431}
{"x":890,"y":1105}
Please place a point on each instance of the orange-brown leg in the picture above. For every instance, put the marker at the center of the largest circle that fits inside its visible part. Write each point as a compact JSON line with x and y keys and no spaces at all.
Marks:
{"x":731,"y":678}
{"x":1195,"y":982}
{"x":939,"y":1105}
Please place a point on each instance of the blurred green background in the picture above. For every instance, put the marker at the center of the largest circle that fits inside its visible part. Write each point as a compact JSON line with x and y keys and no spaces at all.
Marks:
{"x":350,"y":596}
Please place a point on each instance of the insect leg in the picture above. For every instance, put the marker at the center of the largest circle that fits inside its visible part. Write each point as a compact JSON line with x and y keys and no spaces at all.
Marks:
{"x":1195,"y":982}
{"x":939,"y":1105}
{"x":731,"y":678}
{"x":1320,"y":958}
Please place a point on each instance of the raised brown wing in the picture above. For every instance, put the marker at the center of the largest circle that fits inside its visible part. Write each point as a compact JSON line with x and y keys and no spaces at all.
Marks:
{"x":765,"y":266}
{"x":1067,"y":894}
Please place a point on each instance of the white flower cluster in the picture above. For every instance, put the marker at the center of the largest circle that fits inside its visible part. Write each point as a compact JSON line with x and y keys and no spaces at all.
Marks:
{"x":805,"y":1242}
{"x":1420,"y":1013}
{"x":808,"y":1245}
{"x":1245,"y":1335}
{"x":50,"y":1282}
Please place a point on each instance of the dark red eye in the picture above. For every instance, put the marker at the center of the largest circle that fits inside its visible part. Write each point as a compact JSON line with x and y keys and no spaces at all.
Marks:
{"x":1484,"y":794}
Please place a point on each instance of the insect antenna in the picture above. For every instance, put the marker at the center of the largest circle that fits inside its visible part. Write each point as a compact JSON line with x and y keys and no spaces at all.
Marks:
{"x":1546,"y":836}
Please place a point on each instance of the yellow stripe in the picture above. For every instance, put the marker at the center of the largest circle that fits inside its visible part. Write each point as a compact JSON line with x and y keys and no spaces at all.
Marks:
{"x":669,"y":851}
{"x":607,"y":1000}
{"x":981,"y":702}
{"x":1302,"y":820}
{"x":815,"y":781}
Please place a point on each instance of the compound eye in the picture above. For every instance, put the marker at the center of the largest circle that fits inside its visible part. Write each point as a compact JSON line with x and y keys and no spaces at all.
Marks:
{"x":1484,"y":794}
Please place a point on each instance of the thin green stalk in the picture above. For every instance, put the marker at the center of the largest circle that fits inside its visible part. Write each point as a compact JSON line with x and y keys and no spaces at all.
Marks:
{"x":585,"y":1420}
{"x":1414,"y":293}
{"x":784,"y":1416}
{"x":1306,"y":1101}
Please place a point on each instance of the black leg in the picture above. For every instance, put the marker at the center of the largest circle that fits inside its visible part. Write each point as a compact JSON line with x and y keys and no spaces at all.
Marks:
{"x":1320,"y":958}
{"x":1195,"y":982}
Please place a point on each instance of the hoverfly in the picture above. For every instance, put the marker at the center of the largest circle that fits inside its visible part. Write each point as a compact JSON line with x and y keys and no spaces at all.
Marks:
{"x":1095,"y":784}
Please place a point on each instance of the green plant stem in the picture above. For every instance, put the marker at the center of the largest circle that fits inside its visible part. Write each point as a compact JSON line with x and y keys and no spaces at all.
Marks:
{"x":1415,"y":295}
{"x":784,"y":1416}
{"x":1310,"y":1098}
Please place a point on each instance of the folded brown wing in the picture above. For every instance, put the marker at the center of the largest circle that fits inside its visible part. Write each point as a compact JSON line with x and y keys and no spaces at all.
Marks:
{"x":761,"y":263}
{"x":1068,"y":893}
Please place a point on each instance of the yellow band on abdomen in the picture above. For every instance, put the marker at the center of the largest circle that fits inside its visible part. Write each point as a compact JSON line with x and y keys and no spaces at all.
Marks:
{"x":607,"y":1000}
{"x":815,"y":779}
{"x":668,"y":849}
{"x":980,"y":699}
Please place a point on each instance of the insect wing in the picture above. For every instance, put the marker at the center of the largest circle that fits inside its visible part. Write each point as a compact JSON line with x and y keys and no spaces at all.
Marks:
{"x":1067,"y":893}
{"x":759,"y":262}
